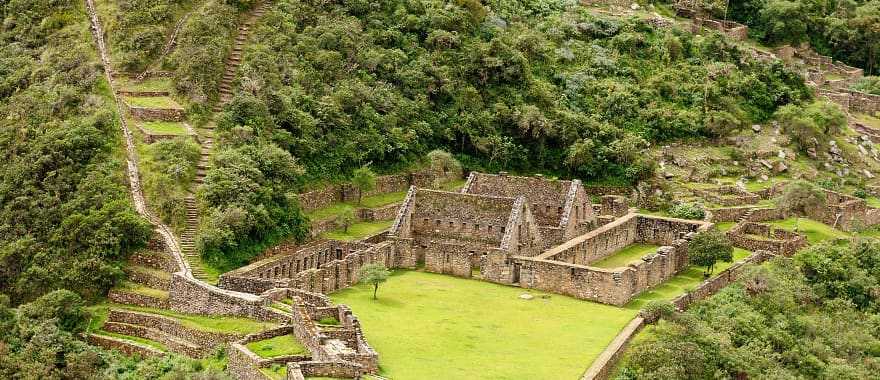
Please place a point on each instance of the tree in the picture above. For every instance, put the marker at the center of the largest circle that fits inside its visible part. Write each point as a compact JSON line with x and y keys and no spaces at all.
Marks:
{"x":374,"y":274}
{"x":799,"y":197}
{"x":346,"y":218}
{"x":709,"y":247}
{"x":364,"y":180}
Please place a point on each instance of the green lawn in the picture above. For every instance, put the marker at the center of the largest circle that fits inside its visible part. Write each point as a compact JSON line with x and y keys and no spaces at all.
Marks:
{"x":684,"y":281}
{"x":163,"y":102}
{"x":385,"y":199}
{"x":151,"y":343}
{"x":358,"y":230}
{"x":873,"y":202}
{"x":278,"y":346}
{"x":164,"y":127}
{"x":815,"y":231}
{"x":433,"y":326}
{"x":141,"y":289}
{"x":275,"y":372}
{"x":724,"y":226}
{"x":332,"y":210}
{"x":626,"y":255}
{"x":151,"y":84}
{"x":199,"y":322}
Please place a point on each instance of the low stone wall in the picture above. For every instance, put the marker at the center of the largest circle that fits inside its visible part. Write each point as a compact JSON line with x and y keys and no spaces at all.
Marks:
{"x":336,"y":370}
{"x":148,"y":279}
{"x":327,"y":195}
{"x":142,"y":93}
{"x":153,"y":259}
{"x":602,"y":366}
{"x":156,"y":114}
{"x":126,"y":347}
{"x":719,"y":281}
{"x":175,"y":345}
{"x":195,"y":297}
{"x":130,"y":298}
{"x":732,"y":29}
{"x":762,"y":237}
{"x":172,"y":327}
{"x":728,"y":196}
{"x":386,"y":212}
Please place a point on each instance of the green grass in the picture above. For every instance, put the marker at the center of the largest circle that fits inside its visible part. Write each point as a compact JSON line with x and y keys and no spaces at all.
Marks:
{"x":626,"y":255}
{"x":871,"y":121}
{"x":278,"y":346}
{"x":199,"y":322}
{"x":379,"y":200}
{"x":358,"y":230}
{"x":275,"y":372}
{"x":454,"y":185}
{"x":147,"y":342}
{"x":141,"y":289}
{"x":162,"y":102}
{"x":164,"y":128}
{"x":873,"y":202}
{"x":150,"y":84}
{"x":684,"y":281}
{"x":724,"y":226}
{"x":815,"y":231}
{"x":150,"y":271}
{"x":332,"y":210}
{"x":433,"y":326}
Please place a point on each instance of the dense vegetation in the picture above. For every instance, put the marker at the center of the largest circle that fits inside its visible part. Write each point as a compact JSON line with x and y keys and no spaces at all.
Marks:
{"x":66,"y":219}
{"x":169,"y":167}
{"x":844,"y":29}
{"x":520,"y":85}
{"x":814,"y":317}
{"x":139,"y":29}
{"x":40,"y":340}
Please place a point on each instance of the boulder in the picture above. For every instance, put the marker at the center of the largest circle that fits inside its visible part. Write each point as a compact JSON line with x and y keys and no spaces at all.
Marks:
{"x":526,"y":296}
{"x":756,"y":128}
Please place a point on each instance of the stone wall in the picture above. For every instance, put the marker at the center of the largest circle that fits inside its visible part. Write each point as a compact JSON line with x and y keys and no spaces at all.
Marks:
{"x":754,"y":237}
{"x":732,"y":29}
{"x":728,"y":196}
{"x":602,"y":367}
{"x":191,"y":296}
{"x":126,"y":297}
{"x":156,"y":114}
{"x":336,"y":370}
{"x":597,"y":244}
{"x":126,"y":347}
{"x":719,"y":281}
{"x":344,"y":192}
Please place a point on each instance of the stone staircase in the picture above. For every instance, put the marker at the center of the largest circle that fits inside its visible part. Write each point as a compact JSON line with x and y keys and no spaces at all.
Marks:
{"x":745,"y":217}
{"x":188,"y":237}
{"x":233,"y":61}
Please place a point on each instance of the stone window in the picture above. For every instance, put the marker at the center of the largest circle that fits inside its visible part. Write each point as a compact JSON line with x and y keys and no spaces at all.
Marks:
{"x":559,"y":210}
{"x":451,"y":224}
{"x":503,"y":229}
{"x":463,"y":225}
{"x":547,"y":209}
{"x":425,"y":221}
{"x":339,"y":253}
{"x":476,"y":227}
{"x":489,"y":228}
{"x":437,"y":222}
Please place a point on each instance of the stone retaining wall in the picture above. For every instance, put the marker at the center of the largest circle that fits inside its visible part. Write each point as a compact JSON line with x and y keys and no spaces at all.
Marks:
{"x":327,"y":195}
{"x":172,"y":327}
{"x":148,"y":279}
{"x":778,"y":241}
{"x":604,"y":364}
{"x":130,"y":298}
{"x":145,"y":94}
{"x":175,"y":345}
{"x":156,"y":114}
{"x":728,"y":196}
{"x":126,"y":347}
{"x":719,"y":281}
{"x":195,"y":297}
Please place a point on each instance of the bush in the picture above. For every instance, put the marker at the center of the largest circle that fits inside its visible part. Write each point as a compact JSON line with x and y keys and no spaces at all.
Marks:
{"x":688,"y":211}
{"x":811,"y":126}
{"x":709,"y":247}
{"x":860,"y":193}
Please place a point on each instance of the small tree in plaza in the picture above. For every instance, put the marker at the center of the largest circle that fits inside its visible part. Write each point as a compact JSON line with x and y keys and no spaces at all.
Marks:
{"x":798,"y":198}
{"x":364,"y":180}
{"x":709,"y":247}
{"x":374,"y":274}
{"x":346,"y":219}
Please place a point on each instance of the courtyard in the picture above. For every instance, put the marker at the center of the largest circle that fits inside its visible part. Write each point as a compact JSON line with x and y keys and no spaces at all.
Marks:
{"x":433,"y":326}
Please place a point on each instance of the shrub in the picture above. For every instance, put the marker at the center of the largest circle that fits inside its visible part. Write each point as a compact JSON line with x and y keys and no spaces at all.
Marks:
{"x":860,"y":193}
{"x":688,"y":211}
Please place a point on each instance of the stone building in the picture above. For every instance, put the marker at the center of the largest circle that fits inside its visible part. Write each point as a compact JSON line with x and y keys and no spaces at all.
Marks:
{"x":561,"y":208}
{"x":457,"y":233}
